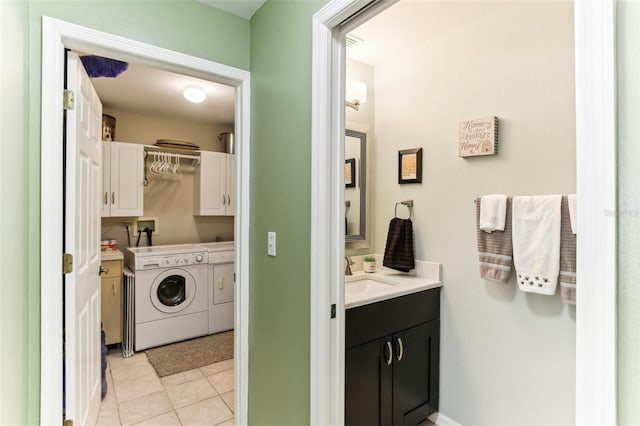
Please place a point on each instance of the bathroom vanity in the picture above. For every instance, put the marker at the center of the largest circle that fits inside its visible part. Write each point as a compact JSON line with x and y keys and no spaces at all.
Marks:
{"x":392,"y":351}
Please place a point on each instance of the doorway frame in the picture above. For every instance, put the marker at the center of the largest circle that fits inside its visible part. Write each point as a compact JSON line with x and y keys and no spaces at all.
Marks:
{"x":56,"y":36}
{"x":596,"y":350}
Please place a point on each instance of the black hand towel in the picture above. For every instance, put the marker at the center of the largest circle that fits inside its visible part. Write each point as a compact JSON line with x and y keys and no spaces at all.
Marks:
{"x":398,"y":254}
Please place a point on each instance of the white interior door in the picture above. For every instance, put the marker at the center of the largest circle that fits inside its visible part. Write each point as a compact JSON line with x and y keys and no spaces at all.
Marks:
{"x":83,"y":188}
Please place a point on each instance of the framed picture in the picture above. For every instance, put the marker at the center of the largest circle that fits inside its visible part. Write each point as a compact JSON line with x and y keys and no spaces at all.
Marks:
{"x":410,"y":165}
{"x":350,"y":173}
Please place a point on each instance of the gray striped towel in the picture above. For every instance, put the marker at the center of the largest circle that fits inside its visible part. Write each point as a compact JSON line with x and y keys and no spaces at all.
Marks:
{"x":495,"y":249}
{"x":567,"y":256}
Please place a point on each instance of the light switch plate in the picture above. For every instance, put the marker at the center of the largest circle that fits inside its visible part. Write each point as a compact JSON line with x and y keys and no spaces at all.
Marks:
{"x":271,"y":243}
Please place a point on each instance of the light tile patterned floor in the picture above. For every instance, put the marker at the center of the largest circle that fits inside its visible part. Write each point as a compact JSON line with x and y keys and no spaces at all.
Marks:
{"x":137,"y":396}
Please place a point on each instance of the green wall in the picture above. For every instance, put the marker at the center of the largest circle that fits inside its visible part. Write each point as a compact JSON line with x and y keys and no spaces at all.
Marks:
{"x":628,"y":67}
{"x":183,"y":25}
{"x":14,"y":231}
{"x":280,"y":202}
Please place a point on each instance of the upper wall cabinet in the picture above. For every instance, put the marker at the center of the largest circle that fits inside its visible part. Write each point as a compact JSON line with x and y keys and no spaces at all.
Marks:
{"x":122,"y":179}
{"x":215,"y":185}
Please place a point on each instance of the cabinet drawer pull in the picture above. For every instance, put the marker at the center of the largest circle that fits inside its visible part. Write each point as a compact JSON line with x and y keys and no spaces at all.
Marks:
{"x":106,"y":198}
{"x":113,"y":198}
{"x":228,"y":200}
{"x":400,"y":349}
{"x":389,"y":354}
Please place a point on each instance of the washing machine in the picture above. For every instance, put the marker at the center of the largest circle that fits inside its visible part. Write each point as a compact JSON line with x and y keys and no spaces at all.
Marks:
{"x":171,"y":293}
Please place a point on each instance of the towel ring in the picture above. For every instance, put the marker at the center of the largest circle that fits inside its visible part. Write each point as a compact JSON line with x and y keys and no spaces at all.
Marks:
{"x":408,"y":204}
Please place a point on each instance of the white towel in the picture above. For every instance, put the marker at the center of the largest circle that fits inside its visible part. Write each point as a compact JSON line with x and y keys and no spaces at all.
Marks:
{"x":493,"y":211}
{"x":572,"y":212}
{"x":536,"y":242}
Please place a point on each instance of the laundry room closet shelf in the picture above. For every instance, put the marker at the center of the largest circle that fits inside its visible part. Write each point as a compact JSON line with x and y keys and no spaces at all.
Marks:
{"x":181,"y":153}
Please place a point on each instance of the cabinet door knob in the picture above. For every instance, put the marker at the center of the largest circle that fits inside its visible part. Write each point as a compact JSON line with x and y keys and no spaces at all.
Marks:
{"x":389,"y":354}
{"x":113,"y":198}
{"x":103,"y":270}
{"x":400,"y":349}
{"x":106,"y":197}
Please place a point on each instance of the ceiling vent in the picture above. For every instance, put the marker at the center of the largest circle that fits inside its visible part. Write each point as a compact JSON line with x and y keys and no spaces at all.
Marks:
{"x":352,"y":40}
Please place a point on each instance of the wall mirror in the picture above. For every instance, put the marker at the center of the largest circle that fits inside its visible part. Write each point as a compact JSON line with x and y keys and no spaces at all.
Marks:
{"x":355,"y":192}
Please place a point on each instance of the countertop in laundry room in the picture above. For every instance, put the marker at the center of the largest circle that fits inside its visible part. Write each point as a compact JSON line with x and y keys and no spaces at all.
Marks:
{"x":111,"y":255}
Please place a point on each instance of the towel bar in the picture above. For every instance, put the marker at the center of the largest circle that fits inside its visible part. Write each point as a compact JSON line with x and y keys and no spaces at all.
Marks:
{"x":408,"y":204}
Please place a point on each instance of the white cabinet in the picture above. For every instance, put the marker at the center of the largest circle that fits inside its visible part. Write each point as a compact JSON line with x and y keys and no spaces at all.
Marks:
{"x":221,"y":291}
{"x":122,"y":179}
{"x":215,"y":185}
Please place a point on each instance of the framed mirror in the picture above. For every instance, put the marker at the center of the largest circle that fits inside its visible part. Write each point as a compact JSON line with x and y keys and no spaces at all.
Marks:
{"x":355,"y":192}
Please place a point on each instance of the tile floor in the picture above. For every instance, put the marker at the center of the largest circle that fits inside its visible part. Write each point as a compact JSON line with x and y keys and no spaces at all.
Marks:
{"x":137,"y":396}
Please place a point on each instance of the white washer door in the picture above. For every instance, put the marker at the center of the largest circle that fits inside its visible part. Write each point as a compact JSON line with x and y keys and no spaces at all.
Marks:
{"x":173,"y":291}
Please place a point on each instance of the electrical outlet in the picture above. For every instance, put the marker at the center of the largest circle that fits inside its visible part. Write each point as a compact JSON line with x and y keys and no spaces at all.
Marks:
{"x":271,"y":244}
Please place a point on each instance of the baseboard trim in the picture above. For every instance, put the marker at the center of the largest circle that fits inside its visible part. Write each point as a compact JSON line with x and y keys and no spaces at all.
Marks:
{"x":441,"y":420}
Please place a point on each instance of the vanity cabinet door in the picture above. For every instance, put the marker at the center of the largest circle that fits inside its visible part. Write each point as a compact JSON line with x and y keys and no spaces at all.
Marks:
{"x":415,"y":373}
{"x":368,"y":384}
{"x":392,"y":360}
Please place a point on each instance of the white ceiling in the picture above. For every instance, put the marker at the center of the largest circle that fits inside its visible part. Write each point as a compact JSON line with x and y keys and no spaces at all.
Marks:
{"x":148,"y":90}
{"x":243,"y":8}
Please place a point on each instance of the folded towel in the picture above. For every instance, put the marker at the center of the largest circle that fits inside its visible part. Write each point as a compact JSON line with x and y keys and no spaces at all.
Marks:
{"x":572,"y":212}
{"x":494,"y":249}
{"x":567,"y":255}
{"x":536,"y":242}
{"x":398,"y":253}
{"x":493,"y":211}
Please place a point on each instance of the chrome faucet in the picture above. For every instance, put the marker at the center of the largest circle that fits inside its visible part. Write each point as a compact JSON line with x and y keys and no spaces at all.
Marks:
{"x":348,"y":263}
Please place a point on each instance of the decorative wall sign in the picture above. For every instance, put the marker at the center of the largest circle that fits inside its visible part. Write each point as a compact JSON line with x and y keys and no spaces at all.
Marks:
{"x":478,"y":137}
{"x":410,"y":166}
{"x":350,"y":173}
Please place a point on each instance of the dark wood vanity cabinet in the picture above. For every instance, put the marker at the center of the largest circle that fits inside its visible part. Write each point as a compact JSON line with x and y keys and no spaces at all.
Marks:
{"x":392,"y":360}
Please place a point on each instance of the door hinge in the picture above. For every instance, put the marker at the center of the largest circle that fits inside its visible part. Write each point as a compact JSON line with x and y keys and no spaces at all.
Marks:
{"x":333,"y":310}
{"x":67,"y":422}
{"x":69,"y":99}
{"x":67,"y":263}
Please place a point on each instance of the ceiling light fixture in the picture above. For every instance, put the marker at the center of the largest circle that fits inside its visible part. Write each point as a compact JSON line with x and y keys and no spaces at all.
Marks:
{"x":356,"y":94}
{"x":194,"y":94}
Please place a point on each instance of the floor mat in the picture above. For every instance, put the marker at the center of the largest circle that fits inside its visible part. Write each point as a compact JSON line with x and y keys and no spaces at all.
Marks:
{"x":190,"y":354}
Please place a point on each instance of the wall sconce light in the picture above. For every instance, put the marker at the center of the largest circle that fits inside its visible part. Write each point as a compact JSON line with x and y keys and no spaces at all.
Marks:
{"x":194,"y":94}
{"x":355,"y":94}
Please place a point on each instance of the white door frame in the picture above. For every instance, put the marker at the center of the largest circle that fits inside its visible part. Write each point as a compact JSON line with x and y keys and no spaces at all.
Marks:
{"x":596,"y":183}
{"x":56,"y":36}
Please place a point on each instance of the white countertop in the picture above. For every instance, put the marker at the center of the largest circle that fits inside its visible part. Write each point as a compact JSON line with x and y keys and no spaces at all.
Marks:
{"x":111,"y":255}
{"x":363,"y":288}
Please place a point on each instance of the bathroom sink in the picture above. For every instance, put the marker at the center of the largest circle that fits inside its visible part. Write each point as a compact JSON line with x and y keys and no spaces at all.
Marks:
{"x":366,"y":286}
{"x":362,"y":289}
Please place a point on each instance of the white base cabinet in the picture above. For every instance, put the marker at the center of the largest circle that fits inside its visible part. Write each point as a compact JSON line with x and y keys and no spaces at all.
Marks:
{"x":215,"y":185}
{"x":122,"y":179}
